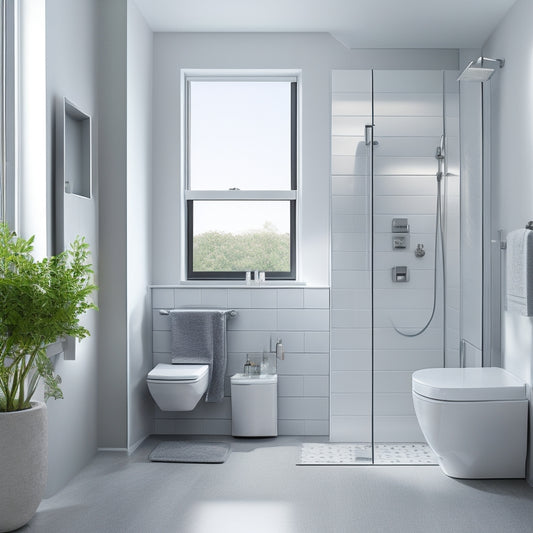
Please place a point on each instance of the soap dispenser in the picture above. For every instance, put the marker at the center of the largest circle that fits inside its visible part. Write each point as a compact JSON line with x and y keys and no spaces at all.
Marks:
{"x":280,"y":352}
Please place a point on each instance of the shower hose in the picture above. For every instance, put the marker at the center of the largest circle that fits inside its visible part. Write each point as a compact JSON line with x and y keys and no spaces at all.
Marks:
{"x":438,"y":233}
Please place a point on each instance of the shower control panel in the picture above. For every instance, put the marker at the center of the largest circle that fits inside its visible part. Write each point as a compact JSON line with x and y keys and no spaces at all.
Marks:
{"x":400,"y":233}
{"x":400,"y":274}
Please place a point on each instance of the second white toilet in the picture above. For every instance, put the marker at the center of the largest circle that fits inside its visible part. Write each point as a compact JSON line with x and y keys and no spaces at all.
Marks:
{"x":474,"y":419}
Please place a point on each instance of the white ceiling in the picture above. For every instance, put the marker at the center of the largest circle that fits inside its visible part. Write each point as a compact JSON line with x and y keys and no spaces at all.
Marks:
{"x":356,"y":23}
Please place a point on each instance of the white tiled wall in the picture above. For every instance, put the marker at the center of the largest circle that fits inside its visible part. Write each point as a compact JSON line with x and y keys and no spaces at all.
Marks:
{"x":300,"y":316}
{"x":408,"y":119}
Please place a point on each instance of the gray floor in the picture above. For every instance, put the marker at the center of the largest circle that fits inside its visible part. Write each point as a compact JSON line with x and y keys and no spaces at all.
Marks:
{"x":260,"y":489}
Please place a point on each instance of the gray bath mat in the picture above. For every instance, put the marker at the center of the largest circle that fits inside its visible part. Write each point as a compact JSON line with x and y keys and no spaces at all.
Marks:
{"x":189,"y":451}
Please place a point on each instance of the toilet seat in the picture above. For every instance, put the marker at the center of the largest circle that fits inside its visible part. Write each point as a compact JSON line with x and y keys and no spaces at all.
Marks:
{"x":167,"y":373}
{"x":468,"y":384}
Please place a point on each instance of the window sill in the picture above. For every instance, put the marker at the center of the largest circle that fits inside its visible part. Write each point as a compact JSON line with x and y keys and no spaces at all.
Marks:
{"x":226,"y":284}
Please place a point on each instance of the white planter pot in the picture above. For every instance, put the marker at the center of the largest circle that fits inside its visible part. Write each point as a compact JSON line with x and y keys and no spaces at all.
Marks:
{"x":23,"y":464}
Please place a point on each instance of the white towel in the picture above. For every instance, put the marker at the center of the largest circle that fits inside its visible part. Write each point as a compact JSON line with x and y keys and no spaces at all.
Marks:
{"x":519,"y":272}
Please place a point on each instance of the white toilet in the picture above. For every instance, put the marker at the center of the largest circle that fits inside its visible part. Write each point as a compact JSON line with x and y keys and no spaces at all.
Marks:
{"x":474,"y":419}
{"x":177,"y":387}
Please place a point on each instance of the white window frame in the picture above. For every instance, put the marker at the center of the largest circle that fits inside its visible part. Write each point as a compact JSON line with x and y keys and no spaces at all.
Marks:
{"x":8,"y":114}
{"x":188,"y":195}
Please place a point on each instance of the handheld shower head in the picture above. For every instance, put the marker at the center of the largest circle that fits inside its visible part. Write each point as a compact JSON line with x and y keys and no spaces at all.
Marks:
{"x":478,"y":70}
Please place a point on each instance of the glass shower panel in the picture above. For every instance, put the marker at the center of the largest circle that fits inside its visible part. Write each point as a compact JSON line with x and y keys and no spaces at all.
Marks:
{"x":386,"y":129}
{"x":409,"y":125}
{"x":351,"y":294}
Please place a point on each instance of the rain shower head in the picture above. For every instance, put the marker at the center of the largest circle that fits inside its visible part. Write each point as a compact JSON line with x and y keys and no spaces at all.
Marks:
{"x":478,"y":70}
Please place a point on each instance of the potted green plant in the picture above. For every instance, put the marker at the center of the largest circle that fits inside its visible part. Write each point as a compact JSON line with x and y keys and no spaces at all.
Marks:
{"x":40,"y":302}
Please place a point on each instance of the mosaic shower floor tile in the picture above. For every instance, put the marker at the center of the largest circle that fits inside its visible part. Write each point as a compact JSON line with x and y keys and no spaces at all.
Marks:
{"x":405,"y":453}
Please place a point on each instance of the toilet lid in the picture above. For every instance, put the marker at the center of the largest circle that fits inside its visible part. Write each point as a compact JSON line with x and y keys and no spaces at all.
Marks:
{"x":468,"y":384}
{"x":167,"y":372}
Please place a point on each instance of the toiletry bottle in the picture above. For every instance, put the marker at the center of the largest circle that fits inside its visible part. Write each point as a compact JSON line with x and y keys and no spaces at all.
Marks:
{"x":280,"y":352}
{"x":247,"y":367}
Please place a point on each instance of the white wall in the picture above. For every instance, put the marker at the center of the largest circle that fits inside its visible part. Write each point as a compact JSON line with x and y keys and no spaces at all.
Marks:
{"x":139,"y":171}
{"x":315,"y":54}
{"x":71,"y":45}
{"x":511,"y":91}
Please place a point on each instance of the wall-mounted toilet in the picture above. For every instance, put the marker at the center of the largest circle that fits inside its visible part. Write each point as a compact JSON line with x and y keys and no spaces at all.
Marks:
{"x":474,"y":419}
{"x":177,"y":387}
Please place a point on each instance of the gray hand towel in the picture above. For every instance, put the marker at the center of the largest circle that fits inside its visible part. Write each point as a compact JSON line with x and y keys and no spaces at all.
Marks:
{"x":199,"y":337}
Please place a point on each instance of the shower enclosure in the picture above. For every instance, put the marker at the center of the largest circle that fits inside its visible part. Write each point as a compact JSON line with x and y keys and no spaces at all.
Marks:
{"x":395,"y":247}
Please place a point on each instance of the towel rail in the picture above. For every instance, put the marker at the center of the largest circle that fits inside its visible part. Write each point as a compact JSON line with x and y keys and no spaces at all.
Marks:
{"x":230,"y":312}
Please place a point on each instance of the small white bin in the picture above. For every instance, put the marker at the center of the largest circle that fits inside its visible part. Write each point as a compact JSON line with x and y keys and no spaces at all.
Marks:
{"x":254,"y":405}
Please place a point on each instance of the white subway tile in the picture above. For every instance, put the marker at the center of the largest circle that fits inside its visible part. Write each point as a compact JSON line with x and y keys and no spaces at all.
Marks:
{"x":349,"y":185}
{"x":239,"y":298}
{"x":350,"y":261}
{"x":393,"y":404}
{"x":204,"y":410}
{"x":349,"y":165}
{"x":303,"y":408}
{"x":346,"y":279}
{"x":290,"y":298}
{"x":351,"y":318}
{"x":185,"y":297}
{"x":162,"y":298}
{"x":349,"y":223}
{"x":214,"y":297}
{"x":265,"y":298}
{"x":291,"y":427}
{"x":393,"y":381}
{"x":389,"y":339}
{"x":351,"y":81}
{"x":301,"y":364}
{"x":202,"y":427}
{"x":393,"y":166}
{"x":351,"y":429}
{"x":352,"y":126}
{"x":407,"y":360}
{"x":358,"y":360}
{"x":160,"y":358}
{"x":348,"y":381}
{"x":397,"y":429}
{"x":350,"y":242}
{"x":290,"y":386}
{"x":164,"y":427}
{"x":418,"y":279}
{"x":408,"y":104}
{"x":407,"y":81}
{"x":349,"y":205}
{"x":405,"y":185}
{"x":254,"y":319}
{"x":248,"y":341}
{"x":317,"y":427}
{"x":303,"y":319}
{"x":351,"y":299}
{"x":293,"y":341}
{"x":351,"y":339}
{"x":160,"y":322}
{"x":346,"y":145}
{"x":316,"y":386}
{"x":316,"y":341}
{"x":235,"y":363}
{"x":161,"y":341}
{"x":408,"y":205}
{"x":354,"y":404}
{"x":400,"y":127}
{"x":351,"y":104}
{"x":394,"y":299}
{"x":316,"y":298}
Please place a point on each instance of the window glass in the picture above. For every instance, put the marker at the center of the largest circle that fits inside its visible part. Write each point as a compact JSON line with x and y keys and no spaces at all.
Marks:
{"x":241,"y":236}
{"x":239,"y":135}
